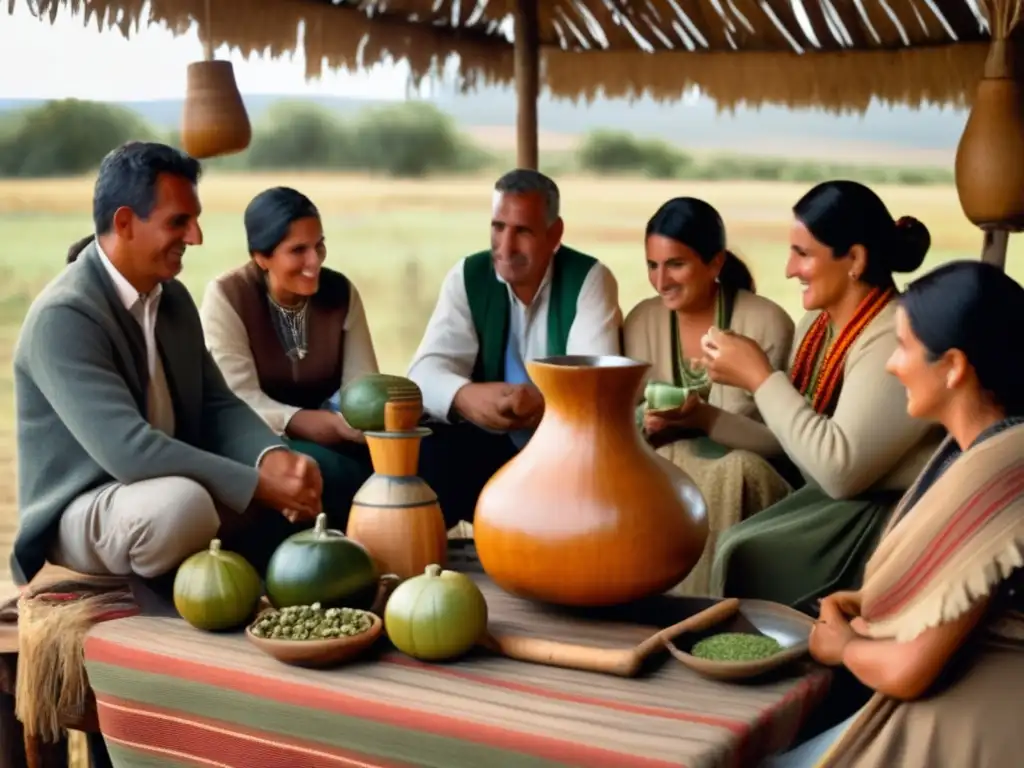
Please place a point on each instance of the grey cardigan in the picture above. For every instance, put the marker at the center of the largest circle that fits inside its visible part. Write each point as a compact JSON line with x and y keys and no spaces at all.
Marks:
{"x":80,"y":379}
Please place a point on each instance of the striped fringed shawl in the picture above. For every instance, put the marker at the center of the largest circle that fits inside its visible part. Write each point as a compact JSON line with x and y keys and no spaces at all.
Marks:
{"x":53,"y":617}
{"x":962,"y":538}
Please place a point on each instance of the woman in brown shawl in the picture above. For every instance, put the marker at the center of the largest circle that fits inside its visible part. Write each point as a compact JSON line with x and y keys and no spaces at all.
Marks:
{"x":936,"y":630}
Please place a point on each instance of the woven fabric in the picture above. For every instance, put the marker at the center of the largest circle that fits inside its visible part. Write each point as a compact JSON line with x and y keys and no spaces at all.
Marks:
{"x":169,"y":695}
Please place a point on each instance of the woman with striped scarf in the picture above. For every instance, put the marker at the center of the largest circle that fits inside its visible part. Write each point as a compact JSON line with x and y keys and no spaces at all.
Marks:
{"x":837,"y":415}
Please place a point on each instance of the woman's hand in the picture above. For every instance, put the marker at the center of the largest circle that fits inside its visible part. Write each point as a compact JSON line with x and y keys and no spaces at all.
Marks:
{"x":734,"y":360}
{"x":830,"y":635}
{"x":689,"y":415}
{"x":348,"y":433}
{"x":847,"y":602}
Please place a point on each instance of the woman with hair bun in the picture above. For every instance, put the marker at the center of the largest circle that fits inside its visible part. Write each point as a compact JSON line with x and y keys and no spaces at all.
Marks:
{"x":287,"y":333}
{"x":935,"y":631}
{"x":702,"y":284}
{"x":836,"y":414}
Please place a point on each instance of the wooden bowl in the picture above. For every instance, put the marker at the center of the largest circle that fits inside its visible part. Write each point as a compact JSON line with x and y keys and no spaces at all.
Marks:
{"x":791,"y":628}
{"x":318,"y":653}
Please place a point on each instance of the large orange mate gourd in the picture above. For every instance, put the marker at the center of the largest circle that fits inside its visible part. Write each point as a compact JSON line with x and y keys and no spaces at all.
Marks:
{"x":587,"y":514}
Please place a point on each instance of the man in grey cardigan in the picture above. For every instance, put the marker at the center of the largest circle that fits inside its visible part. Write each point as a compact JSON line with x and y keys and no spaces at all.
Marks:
{"x":132,"y":452}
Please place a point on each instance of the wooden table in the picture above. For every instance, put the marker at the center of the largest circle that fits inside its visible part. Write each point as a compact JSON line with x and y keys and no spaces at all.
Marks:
{"x":168,"y":695}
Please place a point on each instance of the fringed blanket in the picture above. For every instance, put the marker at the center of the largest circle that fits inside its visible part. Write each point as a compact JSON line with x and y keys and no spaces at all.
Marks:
{"x":950,"y":544}
{"x":53,"y":617}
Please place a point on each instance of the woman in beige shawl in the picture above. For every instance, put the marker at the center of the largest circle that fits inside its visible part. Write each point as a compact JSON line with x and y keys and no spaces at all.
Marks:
{"x":702,"y":284}
{"x":936,"y":630}
{"x":835,"y":413}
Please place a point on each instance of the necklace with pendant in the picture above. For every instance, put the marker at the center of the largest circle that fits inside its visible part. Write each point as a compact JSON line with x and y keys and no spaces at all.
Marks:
{"x":291,"y":326}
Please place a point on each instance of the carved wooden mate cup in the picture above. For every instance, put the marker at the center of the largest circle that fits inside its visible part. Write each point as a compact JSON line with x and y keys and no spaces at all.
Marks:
{"x":395,"y":514}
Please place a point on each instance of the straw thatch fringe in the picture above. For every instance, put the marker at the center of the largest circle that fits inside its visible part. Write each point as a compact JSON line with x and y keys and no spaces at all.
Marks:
{"x":840,"y":81}
{"x":835,"y":54}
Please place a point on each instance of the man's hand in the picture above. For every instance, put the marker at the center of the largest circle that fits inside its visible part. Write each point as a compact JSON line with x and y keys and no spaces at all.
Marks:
{"x":290,"y":482}
{"x":500,"y":406}
{"x":525,"y":406}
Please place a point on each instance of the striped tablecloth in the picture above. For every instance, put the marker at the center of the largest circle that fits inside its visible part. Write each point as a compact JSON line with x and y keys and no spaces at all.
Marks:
{"x":170,"y":696}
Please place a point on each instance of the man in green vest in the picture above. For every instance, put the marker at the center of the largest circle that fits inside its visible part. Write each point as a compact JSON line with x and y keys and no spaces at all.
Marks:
{"x":528,"y":296}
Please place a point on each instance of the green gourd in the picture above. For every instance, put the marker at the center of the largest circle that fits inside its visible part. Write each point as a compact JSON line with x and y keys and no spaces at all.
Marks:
{"x":362,"y":401}
{"x":321,"y":565}
{"x":436,"y":616}
{"x":216,"y":590}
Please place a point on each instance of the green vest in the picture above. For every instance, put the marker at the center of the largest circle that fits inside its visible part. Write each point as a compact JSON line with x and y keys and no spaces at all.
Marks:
{"x":489,"y":306}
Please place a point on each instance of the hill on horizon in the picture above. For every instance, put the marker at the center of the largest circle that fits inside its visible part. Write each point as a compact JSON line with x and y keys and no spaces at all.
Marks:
{"x":883,"y":135}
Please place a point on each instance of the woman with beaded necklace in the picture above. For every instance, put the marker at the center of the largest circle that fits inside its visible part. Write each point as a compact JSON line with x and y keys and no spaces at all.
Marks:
{"x":702,"y":284}
{"x":837,"y":414}
{"x":287,"y":333}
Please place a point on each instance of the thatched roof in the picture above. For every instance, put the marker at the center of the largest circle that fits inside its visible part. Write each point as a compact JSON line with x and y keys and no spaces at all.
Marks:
{"x":832,"y":53}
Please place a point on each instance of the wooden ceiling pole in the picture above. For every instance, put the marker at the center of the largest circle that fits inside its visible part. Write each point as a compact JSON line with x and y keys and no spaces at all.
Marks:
{"x":527,"y":72}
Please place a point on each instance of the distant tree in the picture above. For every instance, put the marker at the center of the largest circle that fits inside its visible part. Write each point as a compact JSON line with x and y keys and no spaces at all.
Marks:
{"x":296,"y":134}
{"x":413,"y":139}
{"x":66,"y":137}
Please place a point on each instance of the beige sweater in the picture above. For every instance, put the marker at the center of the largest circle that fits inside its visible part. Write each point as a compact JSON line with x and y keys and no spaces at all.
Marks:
{"x":647,"y":335}
{"x":870,"y":443}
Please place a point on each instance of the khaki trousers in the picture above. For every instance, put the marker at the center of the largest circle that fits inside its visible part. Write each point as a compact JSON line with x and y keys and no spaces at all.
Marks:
{"x":146,"y":528}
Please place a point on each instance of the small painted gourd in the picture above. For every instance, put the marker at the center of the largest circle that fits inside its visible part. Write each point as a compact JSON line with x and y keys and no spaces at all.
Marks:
{"x":436,"y":616}
{"x":321,"y":565}
{"x":660,"y":395}
{"x":362,"y":401}
{"x":216,"y":590}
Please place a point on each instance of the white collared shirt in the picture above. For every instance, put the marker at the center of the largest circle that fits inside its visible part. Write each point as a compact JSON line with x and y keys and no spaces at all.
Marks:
{"x":446,"y":355}
{"x":144,"y":307}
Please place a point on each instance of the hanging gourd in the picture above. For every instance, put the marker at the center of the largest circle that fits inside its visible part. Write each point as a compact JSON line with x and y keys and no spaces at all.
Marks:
{"x":216,"y":590}
{"x":214,"y":120}
{"x":990,"y":156}
{"x":437,"y":615}
{"x":321,"y":565}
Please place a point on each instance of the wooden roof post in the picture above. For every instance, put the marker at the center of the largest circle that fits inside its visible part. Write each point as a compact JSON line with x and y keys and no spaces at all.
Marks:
{"x":527,"y":71}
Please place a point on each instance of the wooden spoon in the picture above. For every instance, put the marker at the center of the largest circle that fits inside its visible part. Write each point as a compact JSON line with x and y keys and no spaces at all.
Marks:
{"x":624,"y":662}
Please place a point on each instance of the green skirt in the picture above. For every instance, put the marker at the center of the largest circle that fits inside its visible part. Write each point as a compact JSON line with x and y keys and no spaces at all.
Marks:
{"x":804,"y":547}
{"x":344,"y":468}
{"x":735,"y":484}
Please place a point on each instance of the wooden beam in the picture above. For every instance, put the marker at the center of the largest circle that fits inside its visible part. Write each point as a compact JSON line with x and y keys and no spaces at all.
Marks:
{"x":993,"y":249}
{"x":527,"y":71}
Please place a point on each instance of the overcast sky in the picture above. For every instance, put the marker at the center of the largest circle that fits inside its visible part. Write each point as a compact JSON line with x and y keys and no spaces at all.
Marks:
{"x":67,"y":59}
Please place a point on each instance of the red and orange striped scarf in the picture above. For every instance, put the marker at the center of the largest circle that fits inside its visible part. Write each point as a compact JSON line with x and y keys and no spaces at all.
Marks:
{"x":826,"y":385}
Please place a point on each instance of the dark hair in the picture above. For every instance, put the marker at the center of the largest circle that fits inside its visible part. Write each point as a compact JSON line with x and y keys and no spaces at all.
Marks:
{"x":697,"y":225}
{"x":270,"y":215}
{"x":842,"y":214}
{"x":128,"y":175}
{"x":76,"y":248}
{"x":977,"y":308}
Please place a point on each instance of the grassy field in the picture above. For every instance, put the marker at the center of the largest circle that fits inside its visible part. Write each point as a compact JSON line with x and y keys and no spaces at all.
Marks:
{"x":396,"y":240}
